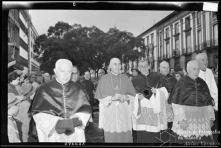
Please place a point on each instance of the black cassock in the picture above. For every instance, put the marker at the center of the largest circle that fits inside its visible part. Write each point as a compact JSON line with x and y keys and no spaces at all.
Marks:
{"x":49,"y":98}
{"x":191,"y":92}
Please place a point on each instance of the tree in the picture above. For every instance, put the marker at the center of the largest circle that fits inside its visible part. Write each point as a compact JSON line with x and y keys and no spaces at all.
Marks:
{"x":86,"y":47}
{"x":58,"y":30}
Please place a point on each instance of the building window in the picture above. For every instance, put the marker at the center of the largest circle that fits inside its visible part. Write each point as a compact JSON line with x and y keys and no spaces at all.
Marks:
{"x":176,"y":28}
{"x":214,"y":15}
{"x":187,"y":23}
{"x":167,"y":48}
{"x":177,"y":43}
{"x":23,"y":53}
{"x":198,"y":18}
{"x":148,"y":40}
{"x":188,"y":41}
{"x":160,"y":45}
{"x":167,"y":33}
{"x":23,"y":20}
{"x":215,"y":34}
{"x":23,"y":36}
{"x":199,"y":42}
{"x":152,"y":40}
{"x":9,"y":31}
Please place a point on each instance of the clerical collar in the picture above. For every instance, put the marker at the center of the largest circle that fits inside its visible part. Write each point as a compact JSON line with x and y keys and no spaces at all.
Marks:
{"x":191,"y":78}
{"x":114,"y":74}
{"x":61,"y":82}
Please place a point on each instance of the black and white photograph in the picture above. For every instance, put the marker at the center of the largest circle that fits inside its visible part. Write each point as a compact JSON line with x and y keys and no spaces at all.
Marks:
{"x":102,"y":73}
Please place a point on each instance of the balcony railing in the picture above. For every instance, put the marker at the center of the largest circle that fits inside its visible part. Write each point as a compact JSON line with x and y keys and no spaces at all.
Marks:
{"x":176,"y":34}
{"x":187,"y":29}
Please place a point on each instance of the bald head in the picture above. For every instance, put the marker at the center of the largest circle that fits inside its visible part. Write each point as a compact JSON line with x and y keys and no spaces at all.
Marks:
{"x":192,"y":69}
{"x":63,"y":62}
{"x":202,"y":60}
{"x":115,"y":66}
{"x":63,"y":70}
{"x":164,"y":68}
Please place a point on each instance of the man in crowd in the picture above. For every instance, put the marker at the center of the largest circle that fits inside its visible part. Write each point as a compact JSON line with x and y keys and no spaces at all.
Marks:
{"x":143,"y":67}
{"x":14,"y":99}
{"x":172,"y":71}
{"x":27,"y":91}
{"x":89,"y":87}
{"x":46,"y":77}
{"x":207,"y":75}
{"x":35,"y":84}
{"x":138,"y":80}
{"x":75,"y":75}
{"x":193,"y":108}
{"x":60,"y":107}
{"x":178,"y":75}
{"x":114,"y":92}
{"x":169,"y":83}
{"x":101,"y":72}
{"x":151,"y":111}
{"x":140,"y":84}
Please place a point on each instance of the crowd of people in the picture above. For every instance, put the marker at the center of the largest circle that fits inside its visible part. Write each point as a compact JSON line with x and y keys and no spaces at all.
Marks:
{"x":145,"y":107}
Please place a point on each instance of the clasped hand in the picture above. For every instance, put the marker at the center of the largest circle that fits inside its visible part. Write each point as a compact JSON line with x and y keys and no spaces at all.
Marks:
{"x":120,"y":98}
{"x":67,"y":125}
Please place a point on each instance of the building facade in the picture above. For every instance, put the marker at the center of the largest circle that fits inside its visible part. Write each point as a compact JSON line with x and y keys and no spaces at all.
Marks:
{"x":20,"y":48}
{"x":34,"y":65}
{"x":178,"y":37}
{"x":13,"y":38}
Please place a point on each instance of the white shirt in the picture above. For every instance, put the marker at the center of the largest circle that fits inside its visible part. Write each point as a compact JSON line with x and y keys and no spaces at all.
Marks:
{"x":208,"y":77}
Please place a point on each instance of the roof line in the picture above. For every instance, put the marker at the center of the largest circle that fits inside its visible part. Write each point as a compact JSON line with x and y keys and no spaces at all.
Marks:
{"x":160,"y":22}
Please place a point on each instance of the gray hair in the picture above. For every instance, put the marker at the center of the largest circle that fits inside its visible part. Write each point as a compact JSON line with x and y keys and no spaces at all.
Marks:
{"x":190,"y":64}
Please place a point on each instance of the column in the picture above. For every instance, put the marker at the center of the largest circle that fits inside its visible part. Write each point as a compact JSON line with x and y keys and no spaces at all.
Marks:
{"x":180,"y":37}
{"x":171,"y":39}
{"x":196,"y":28}
{"x":184,"y":34}
{"x":192,"y":30}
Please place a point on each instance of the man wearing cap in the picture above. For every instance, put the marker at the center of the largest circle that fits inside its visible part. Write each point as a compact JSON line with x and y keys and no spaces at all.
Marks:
{"x":60,"y":107}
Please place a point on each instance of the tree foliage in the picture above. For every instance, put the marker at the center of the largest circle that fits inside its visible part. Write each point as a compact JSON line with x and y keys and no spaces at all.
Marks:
{"x":86,"y":47}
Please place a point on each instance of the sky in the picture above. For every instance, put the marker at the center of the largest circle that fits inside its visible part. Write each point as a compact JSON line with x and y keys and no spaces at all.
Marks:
{"x":134,"y":21}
